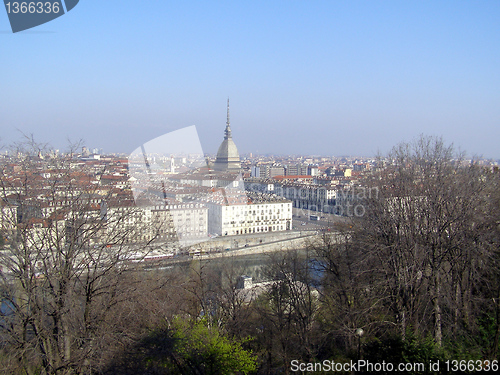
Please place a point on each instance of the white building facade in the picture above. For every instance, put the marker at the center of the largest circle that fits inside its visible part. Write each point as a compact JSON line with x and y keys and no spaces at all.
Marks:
{"x":258,"y":217}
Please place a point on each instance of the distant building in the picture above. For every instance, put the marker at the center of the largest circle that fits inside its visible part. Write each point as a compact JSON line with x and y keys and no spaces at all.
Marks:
{"x":359,"y":167}
{"x":302,"y":194}
{"x":255,"y":171}
{"x":165,"y":223}
{"x":296,"y":170}
{"x":313,"y":170}
{"x":276,"y":170}
{"x":244,"y":282}
{"x":189,"y":221}
{"x":172,"y":165}
{"x":8,"y":217}
{"x":262,"y":170}
{"x":267,"y":170}
{"x":260,"y":213}
{"x":228,"y":158}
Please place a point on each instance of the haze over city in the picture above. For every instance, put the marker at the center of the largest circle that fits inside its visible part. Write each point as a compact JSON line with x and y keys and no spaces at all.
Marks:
{"x":315,"y":77}
{"x":195,"y":187}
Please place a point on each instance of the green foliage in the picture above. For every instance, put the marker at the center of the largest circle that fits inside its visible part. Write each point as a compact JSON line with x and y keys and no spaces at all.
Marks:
{"x":186,"y":349}
{"x":412,"y":349}
{"x":205,"y":350}
{"x":487,"y":327}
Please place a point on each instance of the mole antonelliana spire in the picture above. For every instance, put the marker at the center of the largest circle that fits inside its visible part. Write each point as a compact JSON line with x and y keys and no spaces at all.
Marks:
{"x":228,"y":158}
{"x":228,"y":126}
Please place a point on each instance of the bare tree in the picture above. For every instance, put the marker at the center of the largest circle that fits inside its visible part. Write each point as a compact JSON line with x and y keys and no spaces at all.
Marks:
{"x":65,"y":261}
{"x":422,"y":227}
{"x":351,"y":293}
{"x":287,"y":309}
{"x":484,"y":296}
{"x":233,"y":302}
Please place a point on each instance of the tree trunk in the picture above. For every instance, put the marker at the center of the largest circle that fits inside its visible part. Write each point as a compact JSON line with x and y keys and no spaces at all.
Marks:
{"x":494,"y":349}
{"x":438,"y":334}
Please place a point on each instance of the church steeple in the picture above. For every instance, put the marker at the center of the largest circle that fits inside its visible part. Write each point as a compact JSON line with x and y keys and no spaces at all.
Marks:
{"x":228,"y":126}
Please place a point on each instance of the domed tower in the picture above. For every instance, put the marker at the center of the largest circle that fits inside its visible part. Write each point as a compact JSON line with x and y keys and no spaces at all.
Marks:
{"x":228,"y":158}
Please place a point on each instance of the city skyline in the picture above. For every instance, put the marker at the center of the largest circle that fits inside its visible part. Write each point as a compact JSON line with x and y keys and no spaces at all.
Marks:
{"x":315,"y":78}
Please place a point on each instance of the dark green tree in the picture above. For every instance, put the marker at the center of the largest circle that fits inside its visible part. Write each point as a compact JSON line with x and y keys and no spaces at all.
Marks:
{"x":186,"y":348}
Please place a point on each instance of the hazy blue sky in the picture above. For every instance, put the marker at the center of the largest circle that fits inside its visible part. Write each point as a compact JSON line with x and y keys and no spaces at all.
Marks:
{"x":304,"y":77}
